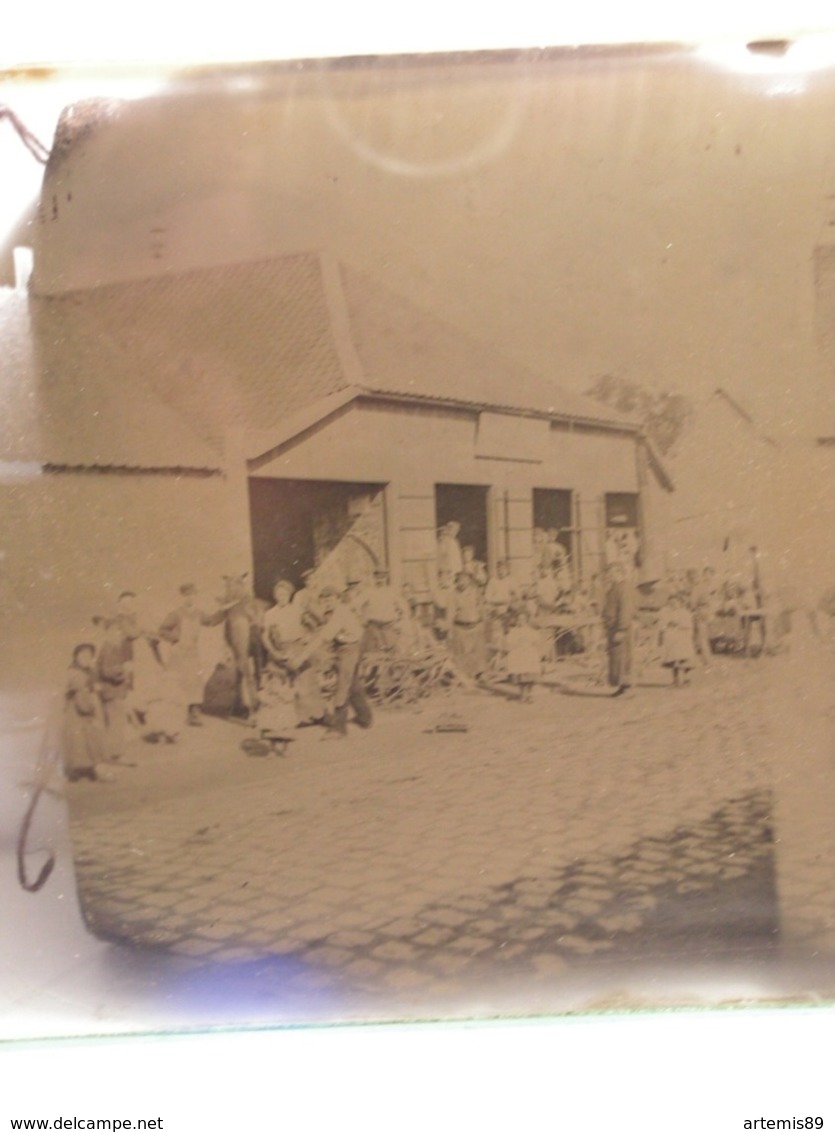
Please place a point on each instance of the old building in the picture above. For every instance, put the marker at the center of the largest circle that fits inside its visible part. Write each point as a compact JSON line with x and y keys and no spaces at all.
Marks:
{"x":280,"y":416}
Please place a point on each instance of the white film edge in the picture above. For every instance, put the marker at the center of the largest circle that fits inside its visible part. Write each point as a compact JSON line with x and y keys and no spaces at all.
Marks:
{"x":417,"y":509}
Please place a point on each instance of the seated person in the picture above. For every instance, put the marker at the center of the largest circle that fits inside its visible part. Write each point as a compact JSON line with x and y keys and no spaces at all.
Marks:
{"x":555,"y":553}
{"x":472,"y":566}
{"x":414,"y":639}
{"x":285,"y":634}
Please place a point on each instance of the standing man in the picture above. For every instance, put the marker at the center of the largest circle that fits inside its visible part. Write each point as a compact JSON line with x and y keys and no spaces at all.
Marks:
{"x":127,"y":621}
{"x":342,"y":631}
{"x":450,"y":556}
{"x":138,"y":652}
{"x":442,"y":600}
{"x":617,"y":614}
{"x":114,"y":678}
{"x":305,"y":599}
{"x":705,"y":603}
{"x":382,"y":610}
{"x":500,"y":595}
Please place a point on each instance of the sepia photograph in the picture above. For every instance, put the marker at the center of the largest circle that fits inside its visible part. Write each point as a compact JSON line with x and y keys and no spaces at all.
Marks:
{"x":417,"y":495}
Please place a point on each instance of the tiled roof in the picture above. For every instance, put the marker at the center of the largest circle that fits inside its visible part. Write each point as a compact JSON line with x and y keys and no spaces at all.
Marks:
{"x":66,"y":401}
{"x":153,"y":372}
{"x":408,"y":351}
{"x":240,"y":345}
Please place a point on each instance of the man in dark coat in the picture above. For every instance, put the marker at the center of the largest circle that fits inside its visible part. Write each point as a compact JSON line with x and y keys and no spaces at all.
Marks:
{"x":618,"y":614}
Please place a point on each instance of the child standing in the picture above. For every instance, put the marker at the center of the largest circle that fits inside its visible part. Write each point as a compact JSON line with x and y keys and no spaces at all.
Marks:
{"x":523,"y":653}
{"x":83,"y":746}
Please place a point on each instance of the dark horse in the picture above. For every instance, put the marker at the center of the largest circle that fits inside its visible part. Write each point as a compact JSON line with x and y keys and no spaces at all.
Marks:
{"x":241,"y":615}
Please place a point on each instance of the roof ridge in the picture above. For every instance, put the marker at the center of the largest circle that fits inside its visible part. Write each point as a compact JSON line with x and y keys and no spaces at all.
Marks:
{"x":178,"y":277}
{"x":574,"y":403}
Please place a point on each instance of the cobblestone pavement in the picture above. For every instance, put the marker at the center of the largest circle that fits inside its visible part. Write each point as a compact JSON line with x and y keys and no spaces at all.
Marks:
{"x":565,"y":832}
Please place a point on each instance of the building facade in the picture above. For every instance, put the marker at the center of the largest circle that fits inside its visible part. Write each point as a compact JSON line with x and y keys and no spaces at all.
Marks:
{"x":279,"y":417}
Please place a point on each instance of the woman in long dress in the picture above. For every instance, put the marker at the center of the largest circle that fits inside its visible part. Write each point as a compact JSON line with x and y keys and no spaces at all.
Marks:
{"x":468,"y":639}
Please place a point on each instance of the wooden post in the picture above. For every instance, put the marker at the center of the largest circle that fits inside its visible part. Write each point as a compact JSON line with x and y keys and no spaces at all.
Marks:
{"x":506,"y":499}
{"x":239,"y":523}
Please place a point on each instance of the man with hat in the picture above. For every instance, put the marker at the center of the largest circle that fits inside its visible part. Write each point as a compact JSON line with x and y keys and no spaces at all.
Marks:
{"x":382,"y":611}
{"x":450,"y":557}
{"x":618,"y":614}
{"x":342,"y":632}
{"x":305,"y":599}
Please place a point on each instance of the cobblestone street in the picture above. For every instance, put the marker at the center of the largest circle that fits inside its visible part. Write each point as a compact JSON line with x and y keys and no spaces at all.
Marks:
{"x":406,"y":862}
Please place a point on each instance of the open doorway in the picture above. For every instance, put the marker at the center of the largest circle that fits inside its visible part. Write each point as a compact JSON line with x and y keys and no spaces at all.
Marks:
{"x":623,"y":536}
{"x":337,"y":529}
{"x":465,"y":504}
{"x":553,"y":510}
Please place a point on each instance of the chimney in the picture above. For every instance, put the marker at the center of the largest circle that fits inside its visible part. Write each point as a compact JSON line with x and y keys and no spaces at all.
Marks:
{"x":23,"y":262}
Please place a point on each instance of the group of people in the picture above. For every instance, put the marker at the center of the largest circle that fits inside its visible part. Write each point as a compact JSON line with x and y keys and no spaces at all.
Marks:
{"x":687,"y":616}
{"x":152,"y":679}
{"x":517,"y":626}
{"x":130,"y":676}
{"x":301,"y":659}
{"x":499,"y":622}
{"x":478,"y":624}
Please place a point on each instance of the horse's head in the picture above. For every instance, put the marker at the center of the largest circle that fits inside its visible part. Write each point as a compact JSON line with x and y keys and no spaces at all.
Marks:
{"x":235,"y":587}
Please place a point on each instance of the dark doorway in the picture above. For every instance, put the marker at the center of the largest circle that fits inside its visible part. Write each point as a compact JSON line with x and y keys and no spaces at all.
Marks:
{"x":465,"y":504}
{"x":299,"y":524}
{"x":623,"y":536}
{"x":553,"y":511}
{"x":622,"y":509}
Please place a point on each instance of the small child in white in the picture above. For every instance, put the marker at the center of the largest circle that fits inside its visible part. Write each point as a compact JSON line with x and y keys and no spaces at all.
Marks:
{"x":523,"y":662}
{"x":165,"y":709}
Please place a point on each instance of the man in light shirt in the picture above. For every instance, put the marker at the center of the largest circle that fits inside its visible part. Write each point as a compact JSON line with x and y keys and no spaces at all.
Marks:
{"x":382,"y":611}
{"x":342,"y":632}
{"x":450,"y":557}
{"x":500,"y":594}
{"x":306,"y":599}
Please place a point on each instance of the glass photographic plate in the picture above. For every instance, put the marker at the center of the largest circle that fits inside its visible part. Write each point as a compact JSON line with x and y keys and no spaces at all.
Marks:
{"x":515,"y":369}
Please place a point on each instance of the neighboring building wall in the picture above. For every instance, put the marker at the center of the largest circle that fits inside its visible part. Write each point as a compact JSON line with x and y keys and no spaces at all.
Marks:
{"x":725,"y":476}
{"x":824,"y":283}
{"x":411,"y":449}
{"x":71,"y":541}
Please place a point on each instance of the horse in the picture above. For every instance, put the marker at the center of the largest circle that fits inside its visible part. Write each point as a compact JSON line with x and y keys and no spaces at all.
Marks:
{"x":241,"y":615}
